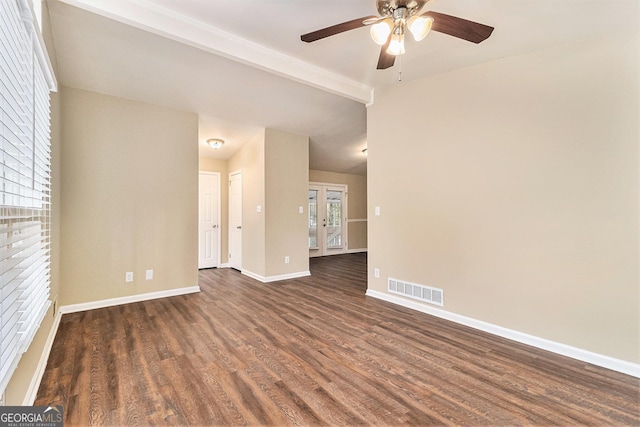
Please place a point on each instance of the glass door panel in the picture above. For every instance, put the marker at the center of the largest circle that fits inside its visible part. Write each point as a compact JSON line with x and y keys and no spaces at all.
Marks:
{"x":313,"y":218}
{"x":333,"y":219}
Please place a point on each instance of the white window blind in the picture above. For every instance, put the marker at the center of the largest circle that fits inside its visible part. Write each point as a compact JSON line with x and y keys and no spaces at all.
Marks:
{"x":25,"y":183}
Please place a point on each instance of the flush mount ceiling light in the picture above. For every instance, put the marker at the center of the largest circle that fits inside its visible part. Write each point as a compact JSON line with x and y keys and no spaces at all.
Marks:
{"x":215,"y":143}
{"x":396,"y":17}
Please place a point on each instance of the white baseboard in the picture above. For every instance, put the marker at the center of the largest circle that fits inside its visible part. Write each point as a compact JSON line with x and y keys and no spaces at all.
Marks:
{"x":74,"y":308}
{"x":269,"y":279}
{"x":34,"y":385}
{"x":223,"y":265}
{"x":618,"y":365}
{"x":356,"y":251}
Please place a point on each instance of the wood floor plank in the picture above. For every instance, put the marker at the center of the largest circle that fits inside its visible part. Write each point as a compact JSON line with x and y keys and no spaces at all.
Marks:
{"x":313,"y":351}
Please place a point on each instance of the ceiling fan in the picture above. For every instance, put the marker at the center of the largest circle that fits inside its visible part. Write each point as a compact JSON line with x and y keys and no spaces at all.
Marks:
{"x":398,"y":16}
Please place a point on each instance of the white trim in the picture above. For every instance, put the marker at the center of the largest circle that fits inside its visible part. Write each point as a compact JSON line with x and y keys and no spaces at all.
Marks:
{"x":356,"y":251}
{"x":269,"y":279}
{"x":328,"y":184}
{"x":618,"y":365}
{"x":74,"y":308}
{"x":36,"y":379}
{"x":147,"y":16}
{"x":225,"y":265}
{"x":357,"y":220}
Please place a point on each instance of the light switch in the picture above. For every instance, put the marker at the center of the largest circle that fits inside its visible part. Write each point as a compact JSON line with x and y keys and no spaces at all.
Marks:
{"x":377,"y":210}
{"x":300,"y":209}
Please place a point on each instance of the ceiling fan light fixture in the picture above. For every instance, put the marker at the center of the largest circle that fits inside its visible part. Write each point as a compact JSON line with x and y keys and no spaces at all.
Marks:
{"x":380,"y":32}
{"x":419,"y":26}
{"x":215,"y":143}
{"x":396,"y":46}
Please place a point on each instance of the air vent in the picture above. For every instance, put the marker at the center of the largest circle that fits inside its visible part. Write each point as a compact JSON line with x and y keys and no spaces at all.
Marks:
{"x":419,"y":292}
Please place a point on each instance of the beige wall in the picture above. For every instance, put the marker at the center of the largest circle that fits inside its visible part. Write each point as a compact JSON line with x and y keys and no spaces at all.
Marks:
{"x":356,"y":205}
{"x":513,"y":186}
{"x":129,"y":199}
{"x":250,"y":161}
{"x":274,"y":169}
{"x":220,"y":166}
{"x":287,"y":185}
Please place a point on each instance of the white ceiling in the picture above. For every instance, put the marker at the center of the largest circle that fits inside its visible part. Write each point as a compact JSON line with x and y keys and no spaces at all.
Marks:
{"x":241,"y":66}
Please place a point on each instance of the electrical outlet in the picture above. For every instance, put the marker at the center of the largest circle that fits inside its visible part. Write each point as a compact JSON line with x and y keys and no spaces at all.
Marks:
{"x":128,"y":277}
{"x":376,"y":273}
{"x":286,"y":260}
{"x":377,"y":211}
{"x":300,"y":209}
{"x":149,"y":275}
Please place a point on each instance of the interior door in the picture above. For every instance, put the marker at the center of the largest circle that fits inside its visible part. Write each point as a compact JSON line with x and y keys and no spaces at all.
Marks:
{"x":235,"y":220}
{"x":208,"y":223}
{"x":327,"y":219}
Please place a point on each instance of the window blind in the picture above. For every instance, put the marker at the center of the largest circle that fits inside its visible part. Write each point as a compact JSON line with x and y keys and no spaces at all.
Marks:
{"x":25,"y":183}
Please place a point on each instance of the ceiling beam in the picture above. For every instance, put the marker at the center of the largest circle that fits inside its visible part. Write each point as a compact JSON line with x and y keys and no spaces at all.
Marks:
{"x":149,"y":17}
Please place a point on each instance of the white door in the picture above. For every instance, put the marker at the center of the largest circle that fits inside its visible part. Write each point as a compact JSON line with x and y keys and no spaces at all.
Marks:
{"x":327,"y":220}
{"x":235,"y":220}
{"x":208,"y":224}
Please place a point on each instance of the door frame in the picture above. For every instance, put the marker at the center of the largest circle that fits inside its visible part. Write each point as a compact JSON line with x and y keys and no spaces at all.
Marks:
{"x":218,"y":213}
{"x":321,"y":250}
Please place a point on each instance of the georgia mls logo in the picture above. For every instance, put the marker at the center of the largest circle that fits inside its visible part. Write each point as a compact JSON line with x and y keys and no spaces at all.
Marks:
{"x":31,"y":416}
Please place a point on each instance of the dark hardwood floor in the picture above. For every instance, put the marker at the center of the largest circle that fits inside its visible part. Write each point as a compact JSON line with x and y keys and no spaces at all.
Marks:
{"x":312,"y":351}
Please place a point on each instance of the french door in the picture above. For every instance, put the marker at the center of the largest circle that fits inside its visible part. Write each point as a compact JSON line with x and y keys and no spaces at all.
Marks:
{"x":327,"y":219}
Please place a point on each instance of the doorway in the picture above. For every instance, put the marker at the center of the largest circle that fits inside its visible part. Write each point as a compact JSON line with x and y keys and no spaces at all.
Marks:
{"x":235,"y":220}
{"x":327,"y":219}
{"x":208,"y":220}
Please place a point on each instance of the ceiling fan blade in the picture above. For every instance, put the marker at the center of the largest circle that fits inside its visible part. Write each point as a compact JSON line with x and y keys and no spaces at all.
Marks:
{"x":385,"y":60}
{"x":460,"y":28}
{"x":335,"y":29}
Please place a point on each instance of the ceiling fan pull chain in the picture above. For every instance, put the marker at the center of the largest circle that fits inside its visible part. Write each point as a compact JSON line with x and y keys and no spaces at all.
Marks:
{"x":400,"y":68}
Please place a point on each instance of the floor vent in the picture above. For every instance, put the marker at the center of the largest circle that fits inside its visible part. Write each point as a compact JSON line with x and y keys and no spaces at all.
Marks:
{"x":419,"y":292}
